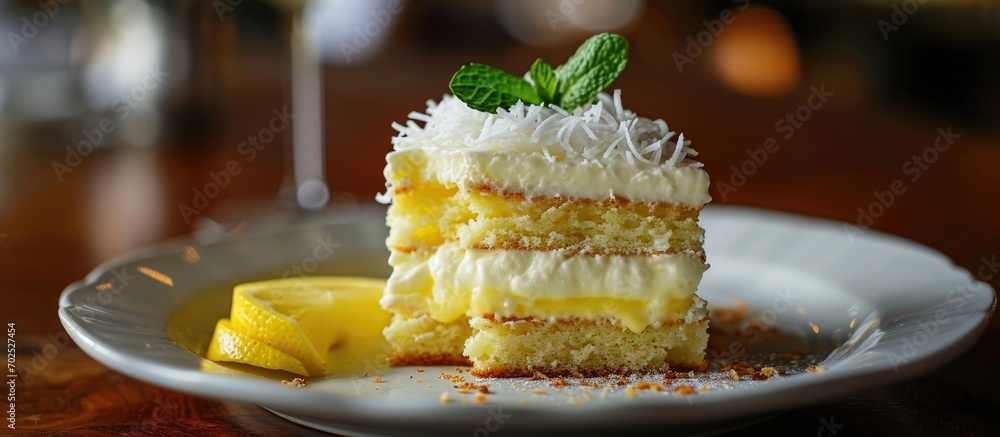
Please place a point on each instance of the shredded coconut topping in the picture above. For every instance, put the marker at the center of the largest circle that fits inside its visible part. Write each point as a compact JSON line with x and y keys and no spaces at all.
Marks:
{"x":601,"y":131}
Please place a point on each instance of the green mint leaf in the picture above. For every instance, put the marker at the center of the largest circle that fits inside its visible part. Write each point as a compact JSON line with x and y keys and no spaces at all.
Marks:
{"x":485,"y":88}
{"x":545,"y":80}
{"x":591,"y":69}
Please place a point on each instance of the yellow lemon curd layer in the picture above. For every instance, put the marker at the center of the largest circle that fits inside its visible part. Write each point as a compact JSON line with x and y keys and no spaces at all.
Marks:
{"x":451,"y":282}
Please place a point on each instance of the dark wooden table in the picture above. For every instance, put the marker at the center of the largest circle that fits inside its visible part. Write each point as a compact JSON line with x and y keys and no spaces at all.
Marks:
{"x":53,"y":232}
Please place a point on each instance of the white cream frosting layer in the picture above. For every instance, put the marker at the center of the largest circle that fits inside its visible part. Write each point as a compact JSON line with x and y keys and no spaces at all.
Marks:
{"x":598,"y":151}
{"x":603,"y":131}
{"x":534,"y":175}
{"x":637,"y":291}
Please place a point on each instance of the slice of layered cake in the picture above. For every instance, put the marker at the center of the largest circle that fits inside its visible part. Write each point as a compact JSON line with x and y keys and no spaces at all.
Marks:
{"x":540,"y":240}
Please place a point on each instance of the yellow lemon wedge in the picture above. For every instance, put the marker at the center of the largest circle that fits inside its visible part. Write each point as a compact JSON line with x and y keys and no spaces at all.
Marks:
{"x":229,"y":345}
{"x":303,"y":318}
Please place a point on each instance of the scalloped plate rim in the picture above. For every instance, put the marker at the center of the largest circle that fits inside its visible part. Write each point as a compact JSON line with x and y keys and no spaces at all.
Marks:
{"x":832,"y":382}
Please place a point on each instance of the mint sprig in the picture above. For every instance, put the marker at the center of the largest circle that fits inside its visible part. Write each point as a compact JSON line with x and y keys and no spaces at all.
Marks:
{"x":598,"y":61}
{"x":485,"y":88}
{"x":591,"y":69}
{"x":544,"y":77}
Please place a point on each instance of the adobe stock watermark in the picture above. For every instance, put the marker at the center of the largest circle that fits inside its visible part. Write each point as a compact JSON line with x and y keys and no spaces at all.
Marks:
{"x":30,"y":27}
{"x":562,"y":12}
{"x":167,"y":409}
{"x":899,"y":16}
{"x":11,"y":380}
{"x":914,"y":168}
{"x":495,"y":419}
{"x":372,"y":369}
{"x":363,"y":34}
{"x":758,"y":157}
{"x":249,"y":149}
{"x":321,"y":252}
{"x":828,"y":427}
{"x":42,"y":355}
{"x":106,"y":292}
{"x":697,"y":44}
{"x":223,"y":7}
{"x":122,"y":107}
{"x":959,"y":296}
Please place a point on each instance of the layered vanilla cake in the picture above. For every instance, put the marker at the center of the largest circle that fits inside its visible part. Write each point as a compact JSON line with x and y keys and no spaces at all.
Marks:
{"x":541,"y":240}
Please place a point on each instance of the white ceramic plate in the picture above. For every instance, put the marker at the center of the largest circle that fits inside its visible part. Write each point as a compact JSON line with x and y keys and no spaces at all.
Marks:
{"x":895,"y":309}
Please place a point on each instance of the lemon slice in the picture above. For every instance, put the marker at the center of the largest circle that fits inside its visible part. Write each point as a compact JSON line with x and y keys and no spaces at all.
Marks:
{"x":304,"y":317}
{"x":229,"y":345}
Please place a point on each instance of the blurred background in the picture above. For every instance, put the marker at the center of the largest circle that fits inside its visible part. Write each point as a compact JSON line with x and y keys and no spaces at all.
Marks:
{"x":128,"y":122}
{"x":118,"y":118}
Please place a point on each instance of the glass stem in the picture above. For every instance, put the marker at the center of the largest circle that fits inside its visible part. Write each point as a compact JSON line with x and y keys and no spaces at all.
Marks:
{"x":307,"y":152}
